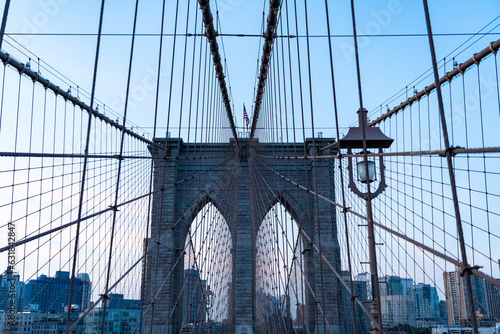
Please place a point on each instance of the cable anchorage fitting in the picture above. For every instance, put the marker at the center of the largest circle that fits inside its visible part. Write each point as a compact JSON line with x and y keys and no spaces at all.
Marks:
{"x":469,"y":269}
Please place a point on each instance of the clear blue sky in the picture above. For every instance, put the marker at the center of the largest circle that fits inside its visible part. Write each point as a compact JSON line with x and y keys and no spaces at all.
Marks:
{"x":388,"y":64}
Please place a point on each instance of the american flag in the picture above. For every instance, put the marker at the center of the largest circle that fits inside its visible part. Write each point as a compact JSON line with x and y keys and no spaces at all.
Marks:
{"x":245,"y":116}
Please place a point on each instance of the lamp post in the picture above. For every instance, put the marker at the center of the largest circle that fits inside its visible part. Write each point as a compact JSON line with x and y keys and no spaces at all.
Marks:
{"x":364,"y":137}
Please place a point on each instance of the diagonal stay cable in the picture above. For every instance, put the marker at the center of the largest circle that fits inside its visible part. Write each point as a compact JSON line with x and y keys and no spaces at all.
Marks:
{"x":322,"y":256}
{"x":4,"y":21}
{"x":139,"y":260}
{"x":266,"y":185}
{"x":398,"y":234}
{"x":23,"y":241}
{"x":119,"y":172}
{"x":85,"y":161}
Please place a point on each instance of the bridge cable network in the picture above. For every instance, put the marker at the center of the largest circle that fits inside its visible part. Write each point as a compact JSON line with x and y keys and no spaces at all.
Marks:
{"x":89,"y":200}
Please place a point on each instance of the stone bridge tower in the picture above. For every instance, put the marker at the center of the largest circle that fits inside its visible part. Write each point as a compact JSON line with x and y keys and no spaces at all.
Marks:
{"x":188,"y":176}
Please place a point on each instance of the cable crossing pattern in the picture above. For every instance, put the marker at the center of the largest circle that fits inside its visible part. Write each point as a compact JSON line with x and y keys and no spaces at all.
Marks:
{"x":162,"y":215}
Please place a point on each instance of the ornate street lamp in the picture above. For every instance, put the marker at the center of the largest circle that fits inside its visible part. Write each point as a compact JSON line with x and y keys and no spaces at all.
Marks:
{"x":366,"y":169}
{"x":365,"y":137}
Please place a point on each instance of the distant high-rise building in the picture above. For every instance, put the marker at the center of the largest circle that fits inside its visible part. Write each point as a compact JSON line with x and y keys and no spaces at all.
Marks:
{"x":86,"y":291}
{"x":396,"y":306}
{"x":193,"y":307}
{"x":457,"y":303}
{"x":454,"y":302}
{"x":9,"y":283}
{"x":443,"y":313}
{"x":391,"y":286}
{"x":34,"y":322}
{"x":359,"y":287}
{"x":268,"y":313}
{"x":299,"y":316}
{"x":285,"y":314}
{"x":285,"y":306}
{"x":362,"y":277}
{"x":397,"y":309}
{"x":51,"y":293}
{"x":426,"y":301}
{"x":406,"y":283}
{"x":122,"y":316}
{"x":493,"y":296}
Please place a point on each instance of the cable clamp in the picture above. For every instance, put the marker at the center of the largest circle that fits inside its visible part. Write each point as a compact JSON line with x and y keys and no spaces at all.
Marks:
{"x":353,"y":298}
{"x":346,"y":209}
{"x":104,"y":296}
{"x":118,"y":156}
{"x":492,"y":49}
{"x":114,"y":208}
{"x":68,"y":95}
{"x":7,"y":60}
{"x":460,"y":69}
{"x":474,"y":58}
{"x":449,"y":77}
{"x":427,"y":92}
{"x":469,"y":269}
{"x":449,"y":150}
{"x":24,"y":69}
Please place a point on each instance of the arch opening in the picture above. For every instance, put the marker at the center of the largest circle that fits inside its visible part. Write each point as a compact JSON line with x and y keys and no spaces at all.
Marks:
{"x":207,"y":273}
{"x":280,"y":295}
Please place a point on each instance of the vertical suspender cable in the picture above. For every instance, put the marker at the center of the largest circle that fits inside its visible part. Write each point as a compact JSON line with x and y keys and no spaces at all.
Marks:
{"x":146,"y":246}
{"x":342,"y":187}
{"x":315,"y":167}
{"x":311,"y":250}
{"x":371,"y":234}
